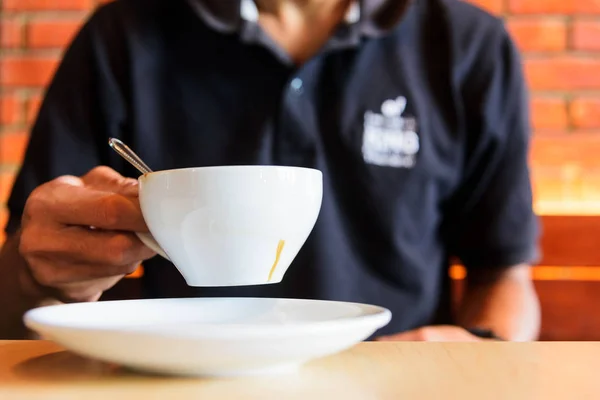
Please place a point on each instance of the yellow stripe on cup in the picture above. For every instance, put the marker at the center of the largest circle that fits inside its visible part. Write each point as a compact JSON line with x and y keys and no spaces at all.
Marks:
{"x":277,"y":256}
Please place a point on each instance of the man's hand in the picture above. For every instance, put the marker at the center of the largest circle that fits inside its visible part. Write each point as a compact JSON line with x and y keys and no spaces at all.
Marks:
{"x":77,"y":235}
{"x":503,"y":300}
{"x":440,"y":333}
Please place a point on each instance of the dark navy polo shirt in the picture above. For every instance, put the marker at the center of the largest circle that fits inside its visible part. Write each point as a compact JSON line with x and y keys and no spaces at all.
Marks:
{"x":420,"y":128}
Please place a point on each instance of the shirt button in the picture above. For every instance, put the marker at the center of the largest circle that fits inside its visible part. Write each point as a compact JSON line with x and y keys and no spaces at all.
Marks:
{"x":297,"y":85}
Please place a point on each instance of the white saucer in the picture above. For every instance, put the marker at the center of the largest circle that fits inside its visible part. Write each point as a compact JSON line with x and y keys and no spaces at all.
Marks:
{"x":208,"y":336}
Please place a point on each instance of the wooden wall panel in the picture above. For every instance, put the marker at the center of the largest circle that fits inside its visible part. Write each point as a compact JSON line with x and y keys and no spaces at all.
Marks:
{"x":570,"y":240}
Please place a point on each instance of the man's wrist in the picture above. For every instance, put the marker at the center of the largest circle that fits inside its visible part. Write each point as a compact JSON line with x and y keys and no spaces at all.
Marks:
{"x":18,"y":292}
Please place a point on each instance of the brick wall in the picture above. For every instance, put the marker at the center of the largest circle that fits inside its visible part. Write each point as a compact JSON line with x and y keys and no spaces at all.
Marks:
{"x":560,"y":41}
{"x":33,"y":34}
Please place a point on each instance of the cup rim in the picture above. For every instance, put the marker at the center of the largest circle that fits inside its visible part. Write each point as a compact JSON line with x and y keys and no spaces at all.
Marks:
{"x":229,"y":167}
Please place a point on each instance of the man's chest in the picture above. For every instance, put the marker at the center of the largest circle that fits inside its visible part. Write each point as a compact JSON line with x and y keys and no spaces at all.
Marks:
{"x":365,"y":118}
{"x":384,"y":135}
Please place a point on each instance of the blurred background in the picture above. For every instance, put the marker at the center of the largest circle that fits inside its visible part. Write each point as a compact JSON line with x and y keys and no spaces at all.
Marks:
{"x":560,"y":42}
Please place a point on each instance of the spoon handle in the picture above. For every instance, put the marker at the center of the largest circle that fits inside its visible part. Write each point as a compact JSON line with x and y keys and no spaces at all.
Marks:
{"x":129,"y":155}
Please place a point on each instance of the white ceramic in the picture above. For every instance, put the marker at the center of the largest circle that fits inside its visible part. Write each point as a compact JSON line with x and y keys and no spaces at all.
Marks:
{"x":211,"y":336}
{"x":232,"y":225}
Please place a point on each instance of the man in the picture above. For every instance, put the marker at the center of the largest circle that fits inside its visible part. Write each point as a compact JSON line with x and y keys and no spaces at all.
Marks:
{"x":414,"y":111}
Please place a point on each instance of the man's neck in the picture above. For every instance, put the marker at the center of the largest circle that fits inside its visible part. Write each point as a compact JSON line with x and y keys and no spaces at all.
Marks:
{"x":301,"y":27}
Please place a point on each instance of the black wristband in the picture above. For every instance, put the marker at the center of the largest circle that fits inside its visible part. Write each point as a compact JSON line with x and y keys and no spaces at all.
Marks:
{"x":484,"y":333}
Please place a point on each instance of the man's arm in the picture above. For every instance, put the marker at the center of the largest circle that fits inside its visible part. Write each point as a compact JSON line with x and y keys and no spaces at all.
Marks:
{"x":81,"y":109}
{"x":489,"y":223}
{"x":491,"y":226}
{"x":55,"y":256}
{"x":503,"y":301}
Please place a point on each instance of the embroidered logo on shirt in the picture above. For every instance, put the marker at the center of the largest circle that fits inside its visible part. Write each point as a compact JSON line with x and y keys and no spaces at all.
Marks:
{"x":389,"y":138}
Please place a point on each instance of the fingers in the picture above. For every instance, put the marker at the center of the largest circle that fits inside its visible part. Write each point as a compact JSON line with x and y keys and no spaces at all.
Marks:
{"x":107,"y":179}
{"x":440,"y":333}
{"x":80,"y":291}
{"x":64,"y":202}
{"x":64,"y":254}
{"x":58,"y":273}
{"x":80,"y":245}
{"x":79,"y":265}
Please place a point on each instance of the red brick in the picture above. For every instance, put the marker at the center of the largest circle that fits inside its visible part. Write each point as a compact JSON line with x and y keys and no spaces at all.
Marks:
{"x":586,"y":35}
{"x":585,"y":113}
{"x":10,"y":109}
{"x":48,"y":34}
{"x":539,"y":34}
{"x":492,"y":6}
{"x":46,"y":5}
{"x":6,"y":183}
{"x":563,"y":73}
{"x":12,"y":147}
{"x":11,"y":33}
{"x":33,"y":106}
{"x":579,"y":149}
{"x":567,"y":7}
{"x":26,"y":71}
{"x":549,"y":113}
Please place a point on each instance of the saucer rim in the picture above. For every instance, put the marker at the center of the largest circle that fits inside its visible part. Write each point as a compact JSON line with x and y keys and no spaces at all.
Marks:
{"x":371,"y":316}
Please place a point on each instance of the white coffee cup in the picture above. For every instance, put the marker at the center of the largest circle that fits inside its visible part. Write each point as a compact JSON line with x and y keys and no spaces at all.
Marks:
{"x":230,"y":225}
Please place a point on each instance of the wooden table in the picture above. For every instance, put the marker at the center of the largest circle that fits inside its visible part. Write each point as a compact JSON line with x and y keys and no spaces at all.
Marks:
{"x":43,"y":370}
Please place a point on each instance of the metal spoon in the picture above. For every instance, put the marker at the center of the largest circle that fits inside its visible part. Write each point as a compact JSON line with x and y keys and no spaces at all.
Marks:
{"x":124,"y":151}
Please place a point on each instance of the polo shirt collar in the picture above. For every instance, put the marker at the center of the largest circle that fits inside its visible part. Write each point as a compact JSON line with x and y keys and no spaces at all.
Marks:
{"x":249,"y":12}
{"x":370,"y":18}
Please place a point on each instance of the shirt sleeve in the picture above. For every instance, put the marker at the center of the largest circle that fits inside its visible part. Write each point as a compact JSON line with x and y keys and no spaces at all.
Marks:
{"x":491,"y":223}
{"x":81,"y":109}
